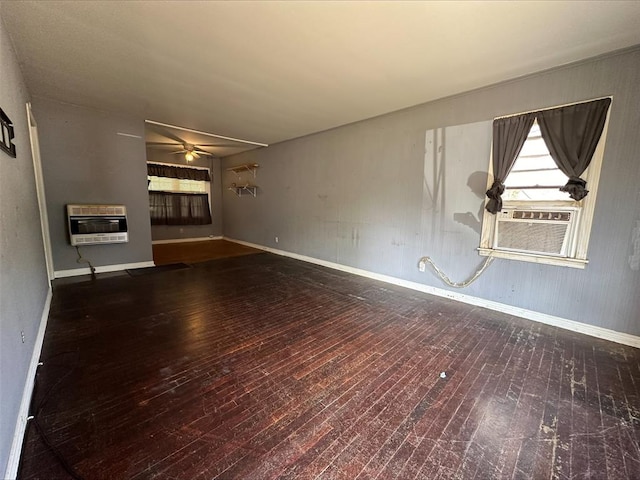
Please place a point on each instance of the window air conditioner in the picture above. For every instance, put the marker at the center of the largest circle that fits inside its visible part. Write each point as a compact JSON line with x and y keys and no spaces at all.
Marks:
{"x":537,"y":230}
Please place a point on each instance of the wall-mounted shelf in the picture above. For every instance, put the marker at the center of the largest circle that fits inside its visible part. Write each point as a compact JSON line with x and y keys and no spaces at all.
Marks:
{"x":246,"y":167}
{"x":242,"y":186}
{"x":244,"y":189}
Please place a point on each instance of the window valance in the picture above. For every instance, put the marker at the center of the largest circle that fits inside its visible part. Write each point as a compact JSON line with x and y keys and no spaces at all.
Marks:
{"x":183,"y":173}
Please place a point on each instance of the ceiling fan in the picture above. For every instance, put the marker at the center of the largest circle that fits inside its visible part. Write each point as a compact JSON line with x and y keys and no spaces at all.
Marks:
{"x":191,"y":151}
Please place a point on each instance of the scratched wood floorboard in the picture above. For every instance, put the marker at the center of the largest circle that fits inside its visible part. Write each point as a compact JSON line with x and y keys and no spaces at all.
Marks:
{"x":263,"y":367}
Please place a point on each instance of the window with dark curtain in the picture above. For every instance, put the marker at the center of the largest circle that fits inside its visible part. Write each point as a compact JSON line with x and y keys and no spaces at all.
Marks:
{"x":571,"y":133}
{"x":179,"y":208}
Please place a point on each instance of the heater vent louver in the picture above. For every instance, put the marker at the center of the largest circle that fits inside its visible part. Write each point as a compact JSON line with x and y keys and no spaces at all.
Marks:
{"x":97,"y":210}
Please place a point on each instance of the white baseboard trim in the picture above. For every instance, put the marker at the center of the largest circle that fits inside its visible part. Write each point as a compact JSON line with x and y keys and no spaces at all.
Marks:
{"x":21,"y":423}
{"x":182,"y":240}
{"x":599,"y":332}
{"x":74,"y":272}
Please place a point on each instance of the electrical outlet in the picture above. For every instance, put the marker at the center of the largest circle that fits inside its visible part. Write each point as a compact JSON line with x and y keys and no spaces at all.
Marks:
{"x":22,"y":335}
{"x":421,"y":266}
{"x":276,"y":239}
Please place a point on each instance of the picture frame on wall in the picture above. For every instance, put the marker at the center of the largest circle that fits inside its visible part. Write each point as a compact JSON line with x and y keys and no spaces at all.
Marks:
{"x":6,"y":134}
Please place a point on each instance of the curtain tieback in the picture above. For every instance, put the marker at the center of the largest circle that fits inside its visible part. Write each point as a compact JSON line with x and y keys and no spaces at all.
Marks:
{"x":495,"y":199}
{"x":575,"y":187}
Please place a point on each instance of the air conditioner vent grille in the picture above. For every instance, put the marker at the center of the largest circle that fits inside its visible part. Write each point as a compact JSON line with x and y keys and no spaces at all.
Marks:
{"x":538,"y":230}
{"x":533,"y":237}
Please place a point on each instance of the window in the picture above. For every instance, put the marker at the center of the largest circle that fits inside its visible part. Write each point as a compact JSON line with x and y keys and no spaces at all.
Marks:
{"x":534,"y":175}
{"x":535,"y":220}
{"x":178,"y":196}
{"x":176,"y":185}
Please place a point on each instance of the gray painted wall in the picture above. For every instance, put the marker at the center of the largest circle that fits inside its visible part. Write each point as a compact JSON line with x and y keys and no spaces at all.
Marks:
{"x":84,"y":160}
{"x":175,"y":232}
{"x":23,"y":275}
{"x":363,"y":195}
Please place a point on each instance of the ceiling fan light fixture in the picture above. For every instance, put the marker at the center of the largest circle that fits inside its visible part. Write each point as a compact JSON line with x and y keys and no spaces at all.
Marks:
{"x":188,"y":156}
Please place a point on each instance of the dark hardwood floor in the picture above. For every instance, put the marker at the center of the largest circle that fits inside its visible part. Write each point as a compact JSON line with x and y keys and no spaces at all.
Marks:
{"x":261,"y":367}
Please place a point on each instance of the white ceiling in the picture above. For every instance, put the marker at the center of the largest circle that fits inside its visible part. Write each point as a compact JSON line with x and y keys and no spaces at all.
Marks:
{"x":271,"y":71}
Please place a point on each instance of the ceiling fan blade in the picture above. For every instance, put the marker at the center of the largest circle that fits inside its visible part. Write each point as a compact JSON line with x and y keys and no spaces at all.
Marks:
{"x":179,"y":151}
{"x":220,"y":145}
{"x":203,"y":152}
{"x":168,"y":134}
{"x":163,"y":143}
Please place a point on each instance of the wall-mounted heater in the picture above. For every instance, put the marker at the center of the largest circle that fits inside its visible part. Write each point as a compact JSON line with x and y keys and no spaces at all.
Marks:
{"x":97,"y":224}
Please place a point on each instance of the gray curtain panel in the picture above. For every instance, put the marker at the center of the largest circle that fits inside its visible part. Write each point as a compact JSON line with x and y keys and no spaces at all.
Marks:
{"x":509,"y":135}
{"x":179,"y":208}
{"x":183,"y":173}
{"x":572,"y":134}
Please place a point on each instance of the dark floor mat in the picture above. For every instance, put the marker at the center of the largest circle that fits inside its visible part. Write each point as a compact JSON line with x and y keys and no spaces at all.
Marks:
{"x":136,"y":272}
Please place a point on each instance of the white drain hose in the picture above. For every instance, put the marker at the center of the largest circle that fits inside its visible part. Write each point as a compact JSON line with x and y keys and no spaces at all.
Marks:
{"x":445,"y":279}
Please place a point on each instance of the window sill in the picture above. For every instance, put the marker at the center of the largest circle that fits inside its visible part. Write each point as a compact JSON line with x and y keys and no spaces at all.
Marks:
{"x":534,"y":258}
